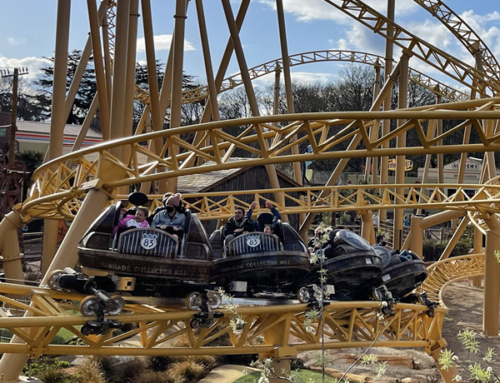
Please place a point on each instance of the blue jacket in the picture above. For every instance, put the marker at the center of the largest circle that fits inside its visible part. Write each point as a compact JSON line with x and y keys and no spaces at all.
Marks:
{"x":257,"y":226}
{"x":162,"y":218}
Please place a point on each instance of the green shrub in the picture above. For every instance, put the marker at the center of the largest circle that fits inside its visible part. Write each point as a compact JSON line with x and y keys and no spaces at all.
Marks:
{"x":53,"y":374}
{"x":89,"y":372}
{"x":128,"y":372}
{"x":155,"y":377}
{"x":160,"y":363}
{"x":186,"y":369}
{"x":433,"y":248}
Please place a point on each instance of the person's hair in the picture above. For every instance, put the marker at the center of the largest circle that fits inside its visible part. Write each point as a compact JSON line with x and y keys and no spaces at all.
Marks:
{"x":144,"y":210}
{"x":240,"y":208}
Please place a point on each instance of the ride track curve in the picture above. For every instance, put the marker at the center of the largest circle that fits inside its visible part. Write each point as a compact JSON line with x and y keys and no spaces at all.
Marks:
{"x":330,"y":55}
{"x":347,"y":324}
{"x":58,"y":189}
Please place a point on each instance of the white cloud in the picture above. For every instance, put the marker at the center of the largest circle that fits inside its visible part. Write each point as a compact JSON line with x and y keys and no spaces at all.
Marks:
{"x":362,"y":39}
{"x":434,"y":33}
{"x":16,"y":41}
{"x":341,"y":44}
{"x":309,"y":77}
{"x":297,"y":78}
{"x":32,"y":63}
{"x":307,"y":11}
{"x":479,"y":23}
{"x":162,"y":43}
{"x":402,"y":7}
{"x":476,"y":22}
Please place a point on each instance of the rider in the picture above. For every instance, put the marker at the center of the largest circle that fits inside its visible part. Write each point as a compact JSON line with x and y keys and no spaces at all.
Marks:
{"x":172,"y":219}
{"x":316,"y":242}
{"x":238,"y":224}
{"x":259,"y":226}
{"x":130,"y":221}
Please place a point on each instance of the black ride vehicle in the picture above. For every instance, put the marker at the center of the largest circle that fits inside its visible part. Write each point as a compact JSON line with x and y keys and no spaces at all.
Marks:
{"x":151,"y":262}
{"x":143,"y":261}
{"x":403,"y":271}
{"x":261,"y":265}
{"x":350,"y":264}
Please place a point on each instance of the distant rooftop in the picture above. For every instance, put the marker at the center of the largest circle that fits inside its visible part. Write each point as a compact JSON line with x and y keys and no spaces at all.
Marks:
{"x":44,"y":128}
{"x":204,"y":182}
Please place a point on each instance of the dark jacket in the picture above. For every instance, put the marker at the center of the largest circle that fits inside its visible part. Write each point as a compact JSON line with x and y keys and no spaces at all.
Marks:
{"x":232,"y":225}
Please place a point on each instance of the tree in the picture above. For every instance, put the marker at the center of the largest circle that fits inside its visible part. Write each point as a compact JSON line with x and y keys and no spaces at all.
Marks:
{"x":85,"y":93}
{"x":28,"y":107}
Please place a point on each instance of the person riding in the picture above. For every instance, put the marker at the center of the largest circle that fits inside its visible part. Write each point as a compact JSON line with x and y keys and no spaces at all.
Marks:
{"x":259,"y":226}
{"x":238,"y":224}
{"x":316,"y":242}
{"x":172,"y":219}
{"x":130,"y":221}
{"x":268,"y":229}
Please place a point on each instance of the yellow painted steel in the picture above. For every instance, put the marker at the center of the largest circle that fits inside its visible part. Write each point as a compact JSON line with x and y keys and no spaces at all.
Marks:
{"x":445,"y":63}
{"x":220,"y":205}
{"x":335,"y":55}
{"x":346,"y":324}
{"x":444,"y":272}
{"x":56,"y":187}
{"x":462,"y":32}
{"x":158,"y":327}
{"x":58,"y":190}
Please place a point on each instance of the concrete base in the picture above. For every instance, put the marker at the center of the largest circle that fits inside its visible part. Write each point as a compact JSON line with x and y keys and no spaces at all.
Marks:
{"x":226,"y":373}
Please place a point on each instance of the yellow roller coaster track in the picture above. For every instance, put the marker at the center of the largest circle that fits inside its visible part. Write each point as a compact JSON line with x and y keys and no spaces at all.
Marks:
{"x":463,"y":32}
{"x":220,"y":205}
{"x":413,"y":46}
{"x":231,"y":82}
{"x":443,"y":13}
{"x":267,"y":328}
{"x":450,"y":270}
{"x":276,"y":330}
{"x":56,"y":186}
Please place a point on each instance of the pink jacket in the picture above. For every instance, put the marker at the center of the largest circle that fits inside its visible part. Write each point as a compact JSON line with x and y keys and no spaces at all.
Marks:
{"x":122,"y":223}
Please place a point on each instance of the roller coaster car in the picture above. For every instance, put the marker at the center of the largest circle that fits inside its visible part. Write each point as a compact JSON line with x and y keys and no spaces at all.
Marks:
{"x":142,"y":261}
{"x":352,"y":266}
{"x":403,"y":271}
{"x":261,"y":265}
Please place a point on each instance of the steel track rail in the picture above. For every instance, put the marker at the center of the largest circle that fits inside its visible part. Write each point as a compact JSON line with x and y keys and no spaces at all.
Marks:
{"x":57,"y":185}
{"x":160,"y":330}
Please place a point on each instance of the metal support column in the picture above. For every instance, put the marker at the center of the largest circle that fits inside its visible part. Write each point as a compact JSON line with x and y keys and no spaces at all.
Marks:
{"x":11,"y":365}
{"x":491,"y":284}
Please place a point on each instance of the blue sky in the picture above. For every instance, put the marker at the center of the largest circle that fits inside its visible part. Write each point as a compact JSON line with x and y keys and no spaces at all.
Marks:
{"x":28,"y":33}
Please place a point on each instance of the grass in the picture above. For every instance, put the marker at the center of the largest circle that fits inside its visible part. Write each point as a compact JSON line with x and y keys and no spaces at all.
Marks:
{"x":300,"y":376}
{"x":63,"y":336}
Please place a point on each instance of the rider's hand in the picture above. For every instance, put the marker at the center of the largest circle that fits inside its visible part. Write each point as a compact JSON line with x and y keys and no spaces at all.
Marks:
{"x":269,"y":205}
{"x":253,"y":205}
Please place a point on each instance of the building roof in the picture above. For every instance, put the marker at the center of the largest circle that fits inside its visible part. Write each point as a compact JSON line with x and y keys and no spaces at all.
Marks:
{"x":44,"y":128}
{"x":200,"y":182}
{"x":204,"y":182}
